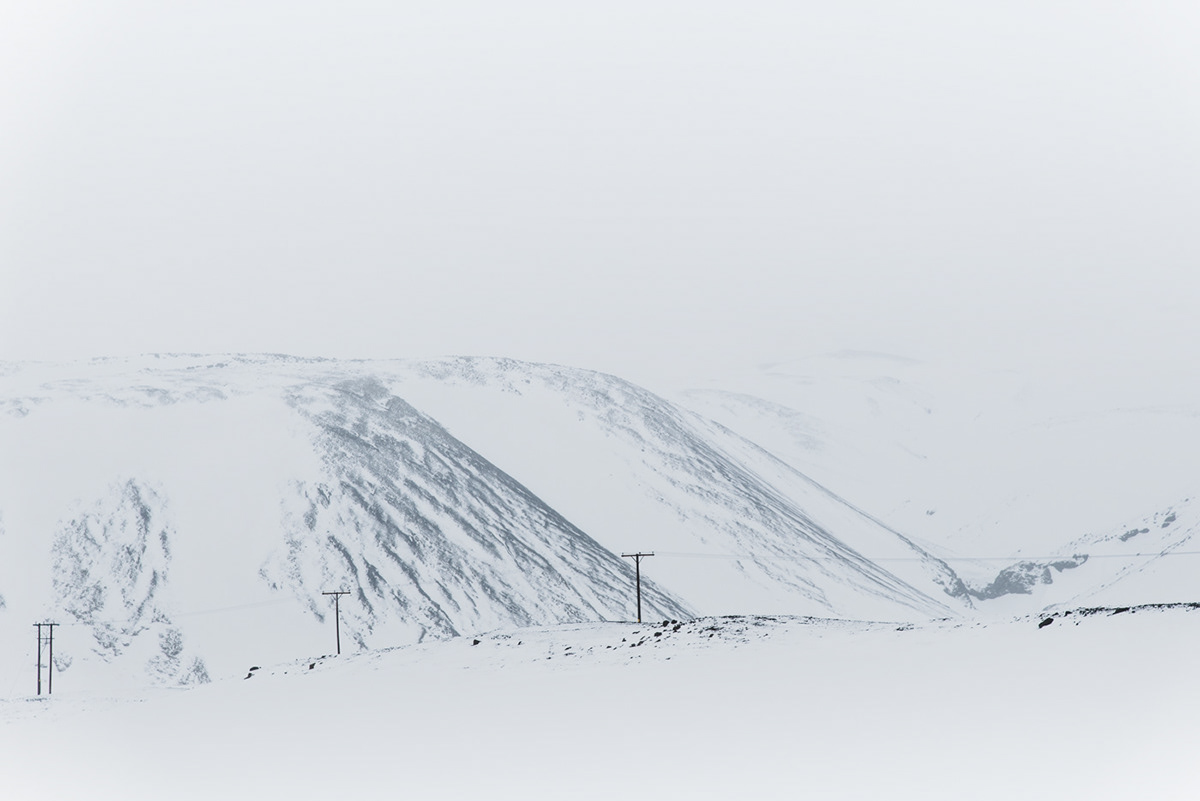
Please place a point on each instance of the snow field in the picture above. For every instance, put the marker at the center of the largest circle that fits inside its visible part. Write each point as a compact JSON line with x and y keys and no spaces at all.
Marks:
{"x":1098,"y":707}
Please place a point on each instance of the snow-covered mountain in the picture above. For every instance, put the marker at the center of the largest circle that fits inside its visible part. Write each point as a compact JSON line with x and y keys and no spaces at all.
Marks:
{"x":1010,"y":476}
{"x":183,"y":515}
{"x":1153,"y":559}
{"x":982,"y":462}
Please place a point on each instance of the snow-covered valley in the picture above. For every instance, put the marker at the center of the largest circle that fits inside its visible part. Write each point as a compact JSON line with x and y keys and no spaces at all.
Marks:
{"x":832,"y":603}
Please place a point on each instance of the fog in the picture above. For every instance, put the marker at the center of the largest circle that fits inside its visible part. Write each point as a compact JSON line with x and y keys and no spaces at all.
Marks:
{"x":645,"y":187}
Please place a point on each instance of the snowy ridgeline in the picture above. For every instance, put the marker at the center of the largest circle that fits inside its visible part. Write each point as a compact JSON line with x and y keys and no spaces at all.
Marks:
{"x":182,"y":516}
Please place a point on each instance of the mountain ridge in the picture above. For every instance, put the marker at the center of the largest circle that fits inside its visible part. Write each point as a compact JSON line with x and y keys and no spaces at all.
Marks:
{"x":446,"y":495}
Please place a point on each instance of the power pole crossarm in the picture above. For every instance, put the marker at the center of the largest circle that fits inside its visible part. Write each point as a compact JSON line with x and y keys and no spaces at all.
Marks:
{"x":637,"y":571}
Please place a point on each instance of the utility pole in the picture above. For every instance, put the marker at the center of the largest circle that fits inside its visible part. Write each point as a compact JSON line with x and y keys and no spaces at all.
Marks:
{"x":637,"y":569}
{"x":337,"y":623}
{"x":50,"y":668}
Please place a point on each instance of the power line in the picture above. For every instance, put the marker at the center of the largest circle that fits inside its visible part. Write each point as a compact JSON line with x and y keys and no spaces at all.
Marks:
{"x":1018,"y":558}
{"x":116,"y":622}
{"x":235,"y":608}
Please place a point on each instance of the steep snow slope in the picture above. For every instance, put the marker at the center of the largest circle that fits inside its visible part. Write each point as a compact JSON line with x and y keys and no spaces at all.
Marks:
{"x":173,"y":519}
{"x":735,"y":527}
{"x":430,"y":536}
{"x":179,"y":513}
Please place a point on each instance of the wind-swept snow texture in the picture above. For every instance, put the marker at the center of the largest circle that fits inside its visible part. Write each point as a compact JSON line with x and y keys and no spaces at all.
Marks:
{"x":737,"y":527}
{"x":429,"y":536}
{"x":110,"y":564}
{"x":445,"y":496}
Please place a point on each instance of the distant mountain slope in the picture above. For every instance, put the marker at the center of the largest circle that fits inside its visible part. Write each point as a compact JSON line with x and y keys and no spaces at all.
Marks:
{"x":974,"y":462}
{"x":428,"y":536}
{"x":738,"y":528}
{"x":1151,"y":560}
{"x":446,"y":496}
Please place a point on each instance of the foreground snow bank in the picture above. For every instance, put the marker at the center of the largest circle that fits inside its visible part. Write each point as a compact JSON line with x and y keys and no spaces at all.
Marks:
{"x":1096,"y":706}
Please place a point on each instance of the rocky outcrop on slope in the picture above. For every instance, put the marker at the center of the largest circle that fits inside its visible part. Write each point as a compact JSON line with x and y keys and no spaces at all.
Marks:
{"x":110,"y":565}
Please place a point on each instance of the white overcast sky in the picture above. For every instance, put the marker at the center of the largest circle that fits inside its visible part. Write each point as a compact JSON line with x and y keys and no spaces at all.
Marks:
{"x":625,"y":185}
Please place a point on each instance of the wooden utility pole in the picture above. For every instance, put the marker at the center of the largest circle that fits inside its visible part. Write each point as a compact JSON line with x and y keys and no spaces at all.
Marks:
{"x":337,"y":623}
{"x":637,"y":569}
{"x":50,"y":640}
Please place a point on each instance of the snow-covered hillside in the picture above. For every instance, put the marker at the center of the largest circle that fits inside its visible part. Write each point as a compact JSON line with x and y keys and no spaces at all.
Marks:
{"x":182,"y":515}
{"x":176,"y":514}
{"x":1151,"y":559}
{"x":979,"y":462}
{"x":1009,"y":476}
